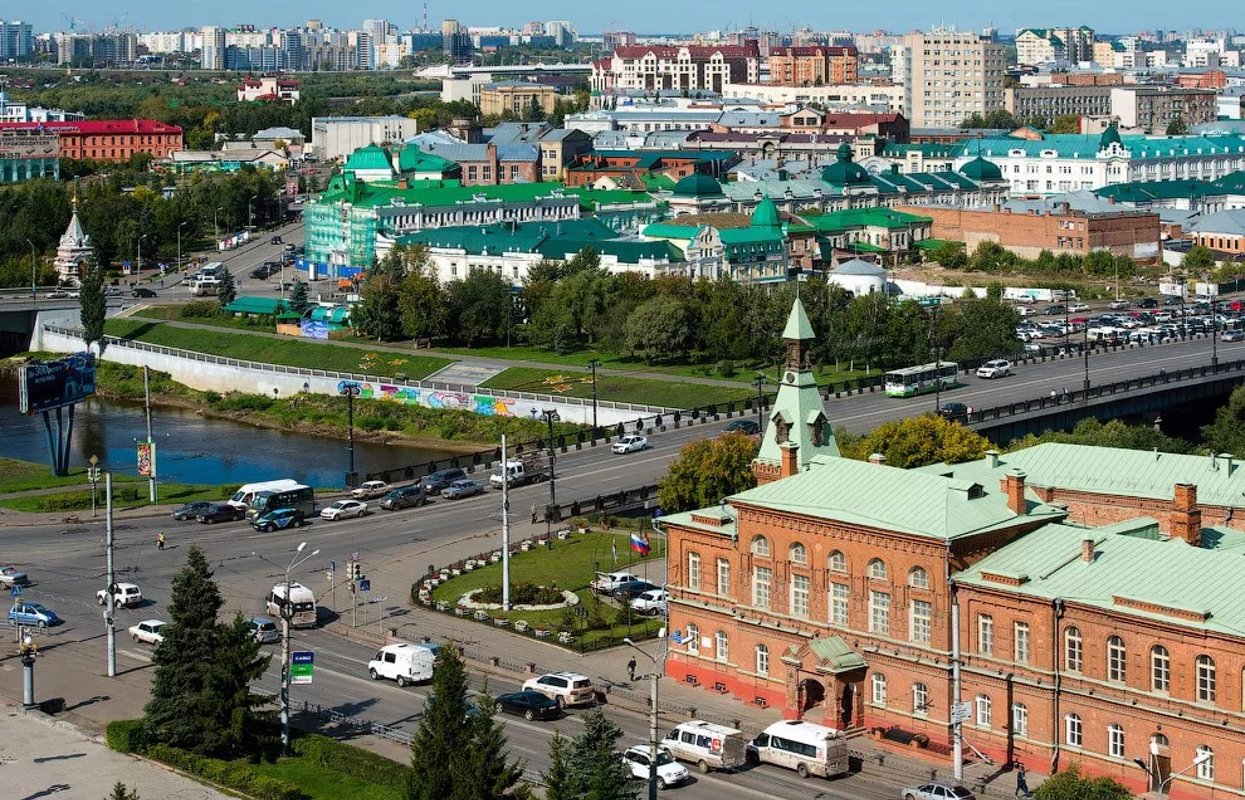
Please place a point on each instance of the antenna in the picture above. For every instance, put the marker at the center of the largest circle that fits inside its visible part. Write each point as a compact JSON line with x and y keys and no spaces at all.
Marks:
{"x":425,"y":17}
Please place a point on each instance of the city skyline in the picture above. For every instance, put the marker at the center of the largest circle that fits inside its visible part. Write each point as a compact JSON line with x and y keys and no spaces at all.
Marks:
{"x":644,"y":16}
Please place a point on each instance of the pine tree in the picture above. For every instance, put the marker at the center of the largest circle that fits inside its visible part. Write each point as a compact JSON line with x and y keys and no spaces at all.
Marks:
{"x":92,"y":303}
{"x":120,"y":792}
{"x":557,"y":779}
{"x":227,"y":292}
{"x":298,"y":301}
{"x":238,"y":719}
{"x":442,"y":734}
{"x":484,"y":770}
{"x":596,"y":766}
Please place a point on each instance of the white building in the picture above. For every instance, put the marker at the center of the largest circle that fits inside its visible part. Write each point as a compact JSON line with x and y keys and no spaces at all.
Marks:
{"x":888,"y":98}
{"x":337,"y":137}
{"x":948,"y":76}
{"x":859,"y":277}
{"x":213,"y":55}
{"x":23,"y":112}
{"x":164,"y":42}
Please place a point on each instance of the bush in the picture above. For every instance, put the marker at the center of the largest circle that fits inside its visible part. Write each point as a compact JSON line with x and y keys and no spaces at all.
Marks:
{"x":199,"y":309}
{"x":126,"y":735}
{"x":352,"y":761}
{"x":230,"y":774}
{"x":726,"y":368}
{"x":521,"y":594}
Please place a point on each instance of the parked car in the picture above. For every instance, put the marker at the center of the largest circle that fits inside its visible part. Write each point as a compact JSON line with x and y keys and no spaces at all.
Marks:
{"x":148,"y":631}
{"x":57,"y":294}
{"x":1117,"y":305}
{"x":938,"y":790}
{"x":124,"y":595}
{"x":460,"y":489}
{"x":651,"y":602}
{"x":626,"y":592}
{"x":955,"y":412}
{"x":1147,"y":302}
{"x":32,"y":614}
{"x":747,"y":427}
{"x":221,"y":512}
{"x":669,"y":772}
{"x":142,"y":291}
{"x":112,"y":291}
{"x":1077,"y":308}
{"x":606,"y":582}
{"x":530,"y":705}
{"x":997,"y":368}
{"x":280,"y":519}
{"x":439,"y":480}
{"x":630,"y":444}
{"x":10,"y":577}
{"x":192,"y":510}
{"x":343,"y":509}
{"x":564,"y":688}
{"x":370,"y":489}
{"x":1232,"y":336}
{"x":1052,"y":310}
{"x":404,"y":497}
{"x":264,"y":629}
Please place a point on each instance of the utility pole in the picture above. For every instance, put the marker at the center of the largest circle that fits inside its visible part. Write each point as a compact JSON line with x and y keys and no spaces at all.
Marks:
{"x":659,"y":661}
{"x":1085,"y":351}
{"x":592,"y":365}
{"x":1214,"y":337}
{"x":957,"y":752}
{"x":150,"y":441}
{"x":179,"y":245}
{"x":759,"y":381}
{"x":551,"y":416}
{"x":92,"y":474}
{"x":505,"y":528}
{"x":350,"y":390}
{"x":109,"y":626}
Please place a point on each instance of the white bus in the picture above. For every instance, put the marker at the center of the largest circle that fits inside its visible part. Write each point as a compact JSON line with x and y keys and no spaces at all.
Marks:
{"x":807,"y":748}
{"x":302,"y":608}
{"x":247,"y":492}
{"x":910,"y":381}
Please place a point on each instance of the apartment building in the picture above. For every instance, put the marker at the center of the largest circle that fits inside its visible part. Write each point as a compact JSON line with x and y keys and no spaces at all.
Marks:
{"x":812,"y":66}
{"x":677,"y":67}
{"x":948,"y":76}
{"x":1043,"y":45}
{"x":517,"y":97}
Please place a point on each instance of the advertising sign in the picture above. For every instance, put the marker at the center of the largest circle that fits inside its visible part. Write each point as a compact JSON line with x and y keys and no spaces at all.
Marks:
{"x":302,"y":667}
{"x":313,"y":329}
{"x":46,"y":385}
{"x":1171,"y":289}
{"x":146,"y":459}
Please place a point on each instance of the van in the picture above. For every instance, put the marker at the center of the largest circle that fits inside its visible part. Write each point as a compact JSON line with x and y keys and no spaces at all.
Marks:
{"x":302,"y":606}
{"x":707,"y":745}
{"x":807,"y":748}
{"x":247,"y":492}
{"x":404,"y":663}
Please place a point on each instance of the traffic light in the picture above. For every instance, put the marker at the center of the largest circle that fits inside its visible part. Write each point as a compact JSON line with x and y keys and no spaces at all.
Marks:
{"x":356,"y":570}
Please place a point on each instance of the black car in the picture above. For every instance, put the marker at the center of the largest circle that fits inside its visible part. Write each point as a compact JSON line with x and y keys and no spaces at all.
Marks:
{"x":629,"y":590}
{"x":141,"y":291}
{"x":434,"y":483}
{"x":221,"y":512}
{"x":955,"y":412}
{"x":747,"y":427}
{"x":404,"y":497}
{"x":192,"y":510}
{"x":529,"y":705}
{"x":1147,"y":302}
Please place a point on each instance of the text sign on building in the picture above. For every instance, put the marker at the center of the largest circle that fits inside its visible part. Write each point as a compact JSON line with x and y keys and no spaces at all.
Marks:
{"x":302,"y":666}
{"x":961,"y":713}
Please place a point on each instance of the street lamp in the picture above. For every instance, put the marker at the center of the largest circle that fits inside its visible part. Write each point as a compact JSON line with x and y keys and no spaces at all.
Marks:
{"x":215,"y":227}
{"x":551,"y":416}
{"x":286,"y":611}
{"x":250,"y":214}
{"x":1085,"y":352}
{"x":180,"y":225}
{"x":28,"y":651}
{"x":351,"y":391}
{"x":1214,"y":336}
{"x":34,"y":263}
{"x":759,"y":381}
{"x":1198,"y":760}
{"x":140,"y":255}
{"x":653,"y":722}
{"x":592,"y":365}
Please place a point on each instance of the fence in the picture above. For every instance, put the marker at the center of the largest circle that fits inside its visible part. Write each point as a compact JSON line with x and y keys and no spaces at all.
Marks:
{"x":334,"y":716}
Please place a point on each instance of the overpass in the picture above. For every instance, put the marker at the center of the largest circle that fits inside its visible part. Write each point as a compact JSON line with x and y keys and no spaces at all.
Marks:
{"x":443,"y":71}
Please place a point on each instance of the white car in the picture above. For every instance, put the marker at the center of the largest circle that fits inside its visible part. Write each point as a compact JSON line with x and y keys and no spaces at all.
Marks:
{"x":370,"y":489}
{"x":651,"y":602}
{"x":669,"y":771}
{"x":630,"y":444}
{"x":344,"y":508}
{"x":10,"y":577}
{"x":124,"y":595}
{"x":564,"y":688}
{"x":1076,"y":308}
{"x":997,"y":368}
{"x":938,"y":790}
{"x":606,"y":582}
{"x":148,"y":631}
{"x":1117,"y":305}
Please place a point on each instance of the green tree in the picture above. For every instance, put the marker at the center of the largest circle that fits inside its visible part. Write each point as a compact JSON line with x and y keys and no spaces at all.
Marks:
{"x":444,"y":737}
{"x":378,"y":315}
{"x":979,"y":329}
{"x":421,"y":301}
{"x":1227,"y":433}
{"x":120,"y":792}
{"x":92,"y":303}
{"x":557,"y":778}
{"x":479,"y":307}
{"x":660,"y":328}
{"x":949,"y":254}
{"x":485,"y":770}
{"x":708,"y":470}
{"x":1109,"y":434}
{"x":299,"y":301}
{"x":919,"y":441}
{"x":594,"y":769}
{"x":1070,"y":785}
{"x":1178,"y":127}
{"x":227,"y":292}
{"x":990,"y":256}
{"x":1066,"y":123}
{"x":1101,"y":263}
{"x":1199,"y":259}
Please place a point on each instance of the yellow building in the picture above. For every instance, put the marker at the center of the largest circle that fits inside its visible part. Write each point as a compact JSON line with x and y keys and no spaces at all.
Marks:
{"x":517,"y":97}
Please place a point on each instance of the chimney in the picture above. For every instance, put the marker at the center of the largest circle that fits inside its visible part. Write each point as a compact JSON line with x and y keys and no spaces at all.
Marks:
{"x":1087,"y":551}
{"x":790,"y":464}
{"x":993,"y":455}
{"x":1186,"y":519}
{"x":1013,"y":484}
{"x":1229,"y":462}
{"x":877,"y":458}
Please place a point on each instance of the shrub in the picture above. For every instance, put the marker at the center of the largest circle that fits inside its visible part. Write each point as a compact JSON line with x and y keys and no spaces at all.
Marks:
{"x":230,"y":774}
{"x":353,"y":761}
{"x":726,"y":368}
{"x":521,"y":594}
{"x":198,"y":309}
{"x":126,"y":735}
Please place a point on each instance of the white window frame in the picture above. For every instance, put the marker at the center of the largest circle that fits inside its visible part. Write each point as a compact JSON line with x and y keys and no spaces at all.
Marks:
{"x":723,"y":576}
{"x":721,"y":646}
{"x":877,"y":684}
{"x":920,"y":700}
{"x":1020,"y":719}
{"x":1117,"y":659}
{"x":800,"y":596}
{"x":985,"y":634}
{"x":984,"y":711}
{"x":1207,"y":689}
{"x":1115,"y":740}
{"x":840,"y":603}
{"x":1073,"y":730}
{"x":837,"y":562}
{"x":920,"y":625}
{"x":693,"y":639}
{"x":918,"y":578}
{"x":1206,"y":770}
{"x":762,"y":586}
{"x":693,"y":571}
{"x":879,"y":612}
{"x":1073,"y":650}
{"x":1160,"y":669}
{"x":760,"y":546}
{"x":797,"y":554}
{"x":1022,"y":649}
{"x":762,"y":659}
{"x":877,"y":570}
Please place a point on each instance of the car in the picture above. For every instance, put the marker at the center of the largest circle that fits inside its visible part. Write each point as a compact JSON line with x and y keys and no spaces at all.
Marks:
{"x":938,"y":790}
{"x":436,"y":482}
{"x":264,"y":629}
{"x":669,"y":771}
{"x":404,"y":497}
{"x":631,"y":589}
{"x":345,"y":508}
{"x":997,"y":368}
{"x":57,"y":294}
{"x":370,"y":489}
{"x":279,"y":519}
{"x":10,"y":577}
{"x":1232,"y":336}
{"x":148,"y":631}
{"x":74,"y":294}
{"x":289,"y":247}
{"x":32,"y":614}
{"x":606,"y":582}
{"x":955,"y":412}
{"x":192,"y":510}
{"x":530,"y":705}
{"x":651,"y":602}
{"x":1117,"y":305}
{"x":124,"y":595}
{"x":112,"y":291}
{"x":220,"y":512}
{"x":564,"y":688}
{"x":630,"y":444}
{"x":747,"y":427}
{"x":142,"y":291}
{"x":1077,"y":308}
{"x":275,"y":240}
{"x":1172,"y":300}
{"x":1147,"y":302}
{"x":1052,"y":310}
{"x":1032,"y":347}
{"x":463,"y":488}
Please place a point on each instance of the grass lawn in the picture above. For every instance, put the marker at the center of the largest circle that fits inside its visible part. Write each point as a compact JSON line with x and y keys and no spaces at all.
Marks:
{"x":166,"y":313}
{"x":319,"y":782}
{"x":619,"y":388}
{"x":22,"y":476}
{"x":126,"y":494}
{"x":289,"y":352}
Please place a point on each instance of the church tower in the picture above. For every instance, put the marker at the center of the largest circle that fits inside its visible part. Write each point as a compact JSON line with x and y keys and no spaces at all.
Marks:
{"x":798,"y":428}
{"x":74,"y":251}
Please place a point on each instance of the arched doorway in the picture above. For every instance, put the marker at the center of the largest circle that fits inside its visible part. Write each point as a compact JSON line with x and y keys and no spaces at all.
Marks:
{"x":1160,"y":761}
{"x":847,"y":705}
{"x":812,"y":693}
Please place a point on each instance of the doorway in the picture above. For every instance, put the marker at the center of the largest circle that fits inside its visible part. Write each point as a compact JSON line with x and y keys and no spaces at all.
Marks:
{"x":847,"y":705}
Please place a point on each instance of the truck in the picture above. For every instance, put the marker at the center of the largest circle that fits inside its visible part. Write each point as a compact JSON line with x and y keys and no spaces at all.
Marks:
{"x":527,"y":468}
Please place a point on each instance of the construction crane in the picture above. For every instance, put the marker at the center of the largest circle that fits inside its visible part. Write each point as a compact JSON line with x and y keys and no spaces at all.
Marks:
{"x":76,"y":25}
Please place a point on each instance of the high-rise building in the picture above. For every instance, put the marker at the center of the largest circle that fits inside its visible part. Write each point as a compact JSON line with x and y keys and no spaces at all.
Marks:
{"x":17,"y":40}
{"x":213,"y":54}
{"x":1043,"y":45}
{"x":948,"y":76}
{"x":812,"y":66}
{"x":292,"y":43}
{"x":364,"y":58}
{"x":563,"y":32}
{"x":456,"y":42}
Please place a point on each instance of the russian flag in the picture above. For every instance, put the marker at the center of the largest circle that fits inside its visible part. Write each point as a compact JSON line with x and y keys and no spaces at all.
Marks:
{"x":639,"y":543}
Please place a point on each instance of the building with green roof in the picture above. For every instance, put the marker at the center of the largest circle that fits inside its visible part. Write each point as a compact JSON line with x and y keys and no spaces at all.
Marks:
{"x":751,"y":254}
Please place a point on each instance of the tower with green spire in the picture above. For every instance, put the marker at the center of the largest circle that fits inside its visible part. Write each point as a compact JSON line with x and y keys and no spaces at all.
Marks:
{"x":797,"y":429}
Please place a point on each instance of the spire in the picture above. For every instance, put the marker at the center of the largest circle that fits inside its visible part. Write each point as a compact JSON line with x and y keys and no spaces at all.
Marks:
{"x":798,"y":326}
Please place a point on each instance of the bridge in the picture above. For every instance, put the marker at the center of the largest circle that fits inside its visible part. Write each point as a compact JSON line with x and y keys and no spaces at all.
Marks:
{"x":443,"y":71}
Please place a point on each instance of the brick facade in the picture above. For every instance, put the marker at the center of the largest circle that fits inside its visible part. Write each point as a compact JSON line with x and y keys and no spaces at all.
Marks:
{"x":812,"y":66}
{"x":109,"y":140}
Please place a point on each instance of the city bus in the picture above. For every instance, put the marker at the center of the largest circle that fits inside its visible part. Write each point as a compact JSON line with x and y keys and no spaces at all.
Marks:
{"x":909,"y":381}
{"x":302,"y":498}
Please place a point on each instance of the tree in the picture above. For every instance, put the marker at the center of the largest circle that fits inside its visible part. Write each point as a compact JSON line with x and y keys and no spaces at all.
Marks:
{"x":1109,"y":434}
{"x":1178,"y":127}
{"x":480,"y":307}
{"x":589,"y":766}
{"x":298,"y":298}
{"x":120,"y":792}
{"x":421,"y":301}
{"x":1066,"y":123}
{"x":918,"y":442}
{"x":949,"y":254}
{"x":979,"y":329}
{"x":443,"y":737}
{"x":1069,"y":785}
{"x":708,"y":470}
{"x":92,"y":303}
{"x":557,"y":778}
{"x":227,"y":292}
{"x":1199,"y":259}
{"x":660,"y":328}
{"x":378,"y":315}
{"x":485,"y":771}
{"x":1227,"y":433}
{"x":990,"y":257}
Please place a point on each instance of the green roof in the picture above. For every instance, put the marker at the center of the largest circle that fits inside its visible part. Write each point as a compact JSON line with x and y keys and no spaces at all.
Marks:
{"x":845,"y":171}
{"x":1149,"y":191}
{"x":345,"y":188}
{"x":697,"y":185}
{"x":670,"y":230}
{"x":264,"y":306}
{"x":798,"y":326}
{"x":855,"y":218}
{"x":765,"y":215}
{"x":553,"y":240}
{"x":412,"y":159}
{"x":1078,"y":145}
{"x":931,"y":244}
{"x":370,"y":157}
{"x":981,"y":170}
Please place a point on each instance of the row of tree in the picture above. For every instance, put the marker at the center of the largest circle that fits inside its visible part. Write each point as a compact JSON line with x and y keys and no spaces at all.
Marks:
{"x":993,"y":258}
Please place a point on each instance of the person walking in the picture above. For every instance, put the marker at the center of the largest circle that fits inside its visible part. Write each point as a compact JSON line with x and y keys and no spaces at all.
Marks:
{"x":1022,"y":783}
{"x":160,"y":540}
{"x":533,"y":513}
{"x":631,"y":669}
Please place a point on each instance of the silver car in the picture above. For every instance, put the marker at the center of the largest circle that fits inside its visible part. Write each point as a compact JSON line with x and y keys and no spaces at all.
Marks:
{"x":264,"y":629}
{"x":938,"y":790}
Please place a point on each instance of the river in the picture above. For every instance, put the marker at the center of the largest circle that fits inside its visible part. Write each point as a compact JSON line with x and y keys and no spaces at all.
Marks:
{"x":193,"y":449}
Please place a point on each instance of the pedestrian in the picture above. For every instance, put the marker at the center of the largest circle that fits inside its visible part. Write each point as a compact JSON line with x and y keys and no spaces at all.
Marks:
{"x":1022,"y":784}
{"x":1053,"y":397}
{"x":631,"y":669}
{"x":969,"y":412}
{"x":533,"y":513}
{"x":1065,"y":394}
{"x":160,"y":540}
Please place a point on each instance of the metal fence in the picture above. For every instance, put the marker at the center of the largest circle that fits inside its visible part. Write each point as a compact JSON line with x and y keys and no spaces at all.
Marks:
{"x":336,"y":717}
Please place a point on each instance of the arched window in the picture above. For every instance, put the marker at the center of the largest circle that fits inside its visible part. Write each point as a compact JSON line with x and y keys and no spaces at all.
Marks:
{"x":760,"y":546}
{"x":878,"y":682}
{"x":1115,"y":740}
{"x":1205,"y":679}
{"x":984,"y":715}
{"x":797,"y":554}
{"x":1160,"y":669}
{"x":1073,"y":650}
{"x":918,"y":578}
{"x":1020,"y":719}
{"x":1072,"y":730}
{"x":1117,"y":656}
{"x":762,"y":660}
{"x":836,"y":562}
{"x":877,"y":569}
{"x":1206,"y":767}
{"x":723,"y":646}
{"x":920,"y":699}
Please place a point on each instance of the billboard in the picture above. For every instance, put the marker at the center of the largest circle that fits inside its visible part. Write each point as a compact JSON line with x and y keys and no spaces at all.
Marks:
{"x":146,"y":459}
{"x":46,"y":385}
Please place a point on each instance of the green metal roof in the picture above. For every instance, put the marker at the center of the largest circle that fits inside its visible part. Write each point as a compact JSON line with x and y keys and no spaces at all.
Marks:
{"x":697,"y":185}
{"x":370,"y":157}
{"x":1077,"y":145}
{"x":553,"y":240}
{"x":412,"y":159}
{"x":345,"y":188}
{"x":798,"y":326}
{"x":670,"y":230}
{"x":264,"y":306}
{"x":931,"y":244}
{"x":1150,"y":191}
{"x":854,"y":218}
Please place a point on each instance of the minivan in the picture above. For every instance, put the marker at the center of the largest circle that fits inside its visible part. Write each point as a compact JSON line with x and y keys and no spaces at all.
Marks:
{"x":434,"y":483}
{"x":707,"y":745}
{"x":805,"y":747}
{"x":302,"y":610}
{"x":403,"y":662}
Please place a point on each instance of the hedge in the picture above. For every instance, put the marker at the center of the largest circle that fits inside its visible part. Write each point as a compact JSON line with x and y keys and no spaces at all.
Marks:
{"x":126,"y":735}
{"x":353,"y":761}
{"x":231,"y":775}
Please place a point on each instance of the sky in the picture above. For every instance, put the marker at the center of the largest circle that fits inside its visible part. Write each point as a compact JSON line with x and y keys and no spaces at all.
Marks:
{"x":646,"y":16}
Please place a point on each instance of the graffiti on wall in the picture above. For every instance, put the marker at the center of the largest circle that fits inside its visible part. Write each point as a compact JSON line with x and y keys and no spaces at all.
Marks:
{"x":483,"y":404}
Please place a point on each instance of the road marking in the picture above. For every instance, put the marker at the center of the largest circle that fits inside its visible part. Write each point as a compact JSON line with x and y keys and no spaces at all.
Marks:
{"x":134,"y":654}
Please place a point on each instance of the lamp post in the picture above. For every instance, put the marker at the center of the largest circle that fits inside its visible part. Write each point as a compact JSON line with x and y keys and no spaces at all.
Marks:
{"x":140,"y":255}
{"x":1085,"y":352}
{"x":1214,"y":336}
{"x":215,"y":226}
{"x":180,"y":225}
{"x":286,"y":611}
{"x":592,"y":365}
{"x":250,"y":214}
{"x":1198,"y":760}
{"x":551,"y":416}
{"x":28,"y":651}
{"x":759,"y":381}
{"x":653,"y":713}
{"x":350,"y":390}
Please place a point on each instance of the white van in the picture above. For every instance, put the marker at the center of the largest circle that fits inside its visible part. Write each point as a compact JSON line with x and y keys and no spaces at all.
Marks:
{"x":247,"y":492}
{"x":205,"y":287}
{"x":706,"y":745}
{"x":404,"y":663}
{"x":302,"y":610}
{"x":807,"y":748}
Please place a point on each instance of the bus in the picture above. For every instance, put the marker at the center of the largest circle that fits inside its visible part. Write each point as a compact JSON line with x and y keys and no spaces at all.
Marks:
{"x":247,"y":492}
{"x":921,"y":379}
{"x":302,"y":498}
{"x":302,"y":608}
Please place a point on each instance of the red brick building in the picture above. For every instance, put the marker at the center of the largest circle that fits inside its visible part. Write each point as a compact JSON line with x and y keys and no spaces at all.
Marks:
{"x":1092,"y":605}
{"x":677,"y":67}
{"x":812,"y":66}
{"x":109,"y":139}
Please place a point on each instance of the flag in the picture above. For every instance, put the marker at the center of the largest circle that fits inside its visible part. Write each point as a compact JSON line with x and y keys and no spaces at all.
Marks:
{"x":614,"y":550}
{"x":639,"y":543}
